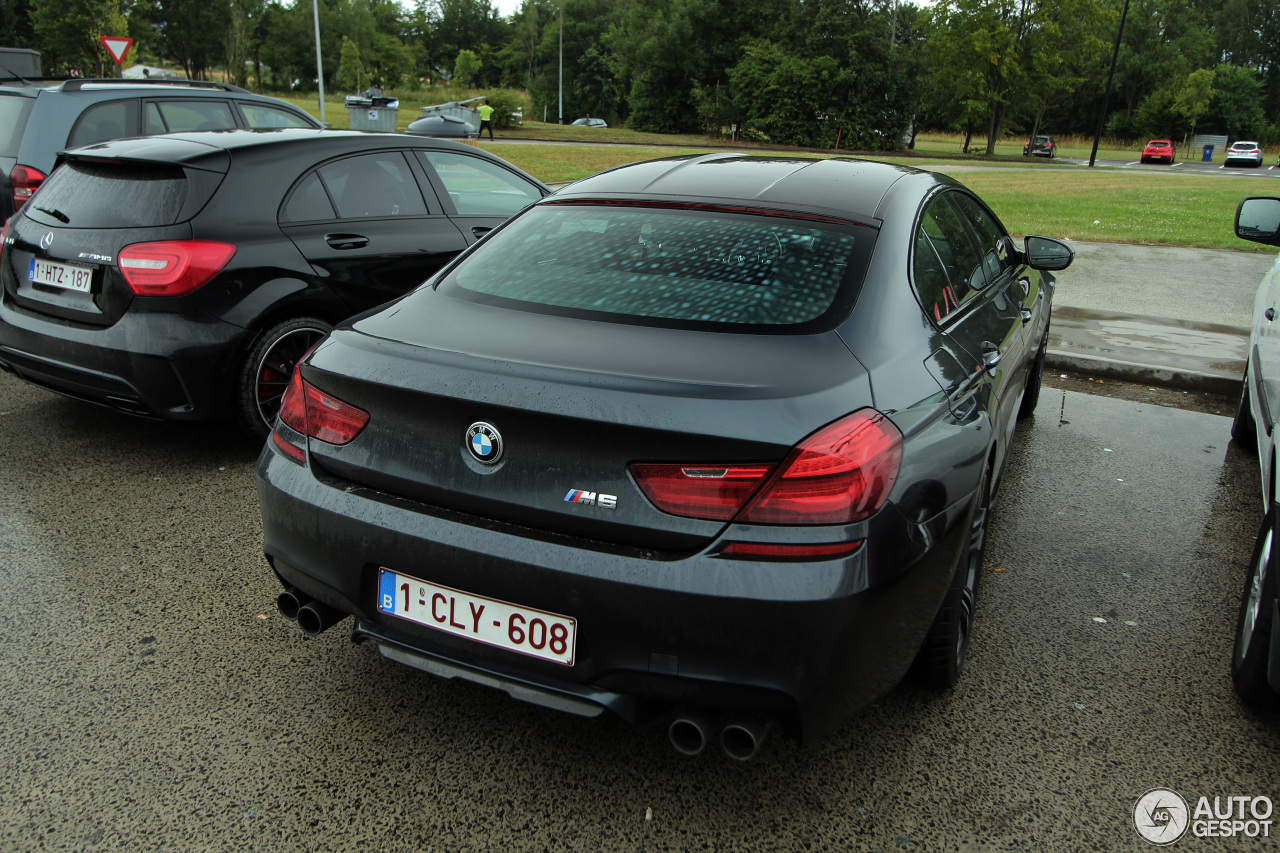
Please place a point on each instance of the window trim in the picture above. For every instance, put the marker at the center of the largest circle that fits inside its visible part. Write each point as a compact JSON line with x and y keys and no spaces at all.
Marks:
{"x":975,"y":295}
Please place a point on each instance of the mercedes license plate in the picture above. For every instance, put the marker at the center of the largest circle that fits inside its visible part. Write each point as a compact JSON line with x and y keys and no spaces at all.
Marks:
{"x":496,"y":623}
{"x":60,"y":275}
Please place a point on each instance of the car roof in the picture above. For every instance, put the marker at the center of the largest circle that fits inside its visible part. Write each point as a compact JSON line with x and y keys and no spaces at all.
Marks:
{"x":842,"y":186}
{"x":210,"y":148}
{"x":1159,"y":142}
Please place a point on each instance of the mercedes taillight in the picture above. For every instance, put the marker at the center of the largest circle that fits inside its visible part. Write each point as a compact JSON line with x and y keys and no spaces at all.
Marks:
{"x":172,"y":267}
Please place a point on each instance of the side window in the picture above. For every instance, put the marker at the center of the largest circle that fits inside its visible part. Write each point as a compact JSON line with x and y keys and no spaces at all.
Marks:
{"x":112,"y":120}
{"x":373,"y":185}
{"x":950,"y":255}
{"x":178,"y":116}
{"x":263,"y":117}
{"x":997,"y":256}
{"x":478,"y":187}
{"x":155,"y":124}
{"x":309,"y":201}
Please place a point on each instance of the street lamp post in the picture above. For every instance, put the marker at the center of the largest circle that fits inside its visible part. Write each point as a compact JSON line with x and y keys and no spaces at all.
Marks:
{"x":562,"y":61}
{"x":1106,"y":96}
{"x":315,"y":7}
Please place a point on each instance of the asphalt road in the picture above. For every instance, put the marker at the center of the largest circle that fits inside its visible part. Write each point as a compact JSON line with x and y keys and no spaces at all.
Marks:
{"x":152,"y":700}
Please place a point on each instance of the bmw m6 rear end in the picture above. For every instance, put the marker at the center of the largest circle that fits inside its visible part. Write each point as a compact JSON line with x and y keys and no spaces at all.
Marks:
{"x":619,"y":457}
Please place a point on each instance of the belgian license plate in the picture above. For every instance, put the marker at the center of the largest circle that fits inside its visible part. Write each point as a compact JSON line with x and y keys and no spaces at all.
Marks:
{"x":496,"y":623}
{"x":60,"y":275}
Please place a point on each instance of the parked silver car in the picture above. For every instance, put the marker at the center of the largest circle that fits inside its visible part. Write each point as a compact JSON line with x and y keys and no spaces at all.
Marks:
{"x":1244,"y":154}
{"x":1255,"y":662}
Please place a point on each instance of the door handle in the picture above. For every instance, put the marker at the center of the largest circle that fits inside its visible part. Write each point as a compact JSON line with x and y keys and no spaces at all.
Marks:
{"x":990,"y":356}
{"x":1270,"y":314}
{"x":479,"y":231}
{"x":1026,"y":315}
{"x":346,"y":241}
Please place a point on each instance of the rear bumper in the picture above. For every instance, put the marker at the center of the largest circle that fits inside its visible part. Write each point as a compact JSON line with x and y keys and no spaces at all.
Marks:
{"x":806,"y":643}
{"x":159,"y":365}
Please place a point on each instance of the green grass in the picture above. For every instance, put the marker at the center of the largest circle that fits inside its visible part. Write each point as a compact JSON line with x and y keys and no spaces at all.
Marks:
{"x":1159,"y":209}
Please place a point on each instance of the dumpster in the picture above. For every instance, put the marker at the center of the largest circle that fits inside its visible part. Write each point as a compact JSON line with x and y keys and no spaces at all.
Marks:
{"x":1207,"y":157}
{"x":369,"y":110}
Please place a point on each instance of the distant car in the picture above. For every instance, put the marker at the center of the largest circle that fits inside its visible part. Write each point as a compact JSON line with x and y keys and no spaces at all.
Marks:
{"x":1244,"y":154}
{"x":181,"y":277}
{"x":1158,"y":149}
{"x":590,"y":122}
{"x":1255,"y":661}
{"x":712,"y":439}
{"x":1040,"y":146}
{"x":40,"y":117}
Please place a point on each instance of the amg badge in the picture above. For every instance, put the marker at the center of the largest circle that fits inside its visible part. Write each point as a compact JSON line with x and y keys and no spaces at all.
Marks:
{"x":578,"y":496}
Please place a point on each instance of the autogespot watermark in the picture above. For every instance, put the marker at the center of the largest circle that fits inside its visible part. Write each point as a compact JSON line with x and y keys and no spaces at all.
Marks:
{"x":1162,"y":817}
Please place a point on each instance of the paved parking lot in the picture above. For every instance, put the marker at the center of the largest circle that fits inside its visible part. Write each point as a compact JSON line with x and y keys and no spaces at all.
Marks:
{"x":153,"y":701}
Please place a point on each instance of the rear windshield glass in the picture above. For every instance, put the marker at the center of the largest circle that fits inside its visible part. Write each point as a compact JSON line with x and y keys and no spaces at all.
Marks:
{"x":669,"y":267}
{"x":13,"y":118}
{"x":94,"y":195}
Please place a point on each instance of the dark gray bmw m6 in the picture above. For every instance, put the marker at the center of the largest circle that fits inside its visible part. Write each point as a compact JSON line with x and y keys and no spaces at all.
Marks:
{"x":708,"y":442}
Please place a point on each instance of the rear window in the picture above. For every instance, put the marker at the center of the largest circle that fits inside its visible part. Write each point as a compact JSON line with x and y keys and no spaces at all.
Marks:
{"x":669,"y":267}
{"x":13,"y":118}
{"x":95,"y":195}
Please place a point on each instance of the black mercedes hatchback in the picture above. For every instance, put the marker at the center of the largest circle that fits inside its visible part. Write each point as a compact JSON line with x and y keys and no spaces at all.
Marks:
{"x":709,"y":441}
{"x":182,"y":276}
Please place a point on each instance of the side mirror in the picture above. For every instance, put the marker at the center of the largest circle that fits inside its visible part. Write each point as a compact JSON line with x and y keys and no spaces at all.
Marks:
{"x":1258,"y":219}
{"x":1048,"y":254}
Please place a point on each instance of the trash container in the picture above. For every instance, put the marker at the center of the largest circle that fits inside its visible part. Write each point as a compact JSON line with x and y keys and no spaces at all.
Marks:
{"x":369,"y":110}
{"x":1207,"y":157}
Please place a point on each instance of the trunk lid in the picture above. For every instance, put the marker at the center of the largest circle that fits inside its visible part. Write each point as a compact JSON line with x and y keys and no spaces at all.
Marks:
{"x":62,"y":258}
{"x":575,"y":403}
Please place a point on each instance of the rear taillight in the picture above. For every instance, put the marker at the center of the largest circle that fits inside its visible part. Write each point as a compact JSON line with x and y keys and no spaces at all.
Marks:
{"x":840,"y":474}
{"x":172,"y":267}
{"x":322,"y":416}
{"x":699,"y":491}
{"x":24,"y":180}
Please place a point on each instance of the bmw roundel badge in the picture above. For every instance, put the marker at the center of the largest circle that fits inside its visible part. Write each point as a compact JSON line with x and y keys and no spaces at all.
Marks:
{"x":485,"y":442}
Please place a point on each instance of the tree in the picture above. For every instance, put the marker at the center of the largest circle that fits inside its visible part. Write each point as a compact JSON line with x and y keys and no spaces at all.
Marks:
{"x":1196,"y":95}
{"x":1236,"y":107}
{"x":191,"y":33}
{"x":466,"y":68}
{"x":68,"y":32}
{"x":1003,"y":55}
{"x":350,"y":69}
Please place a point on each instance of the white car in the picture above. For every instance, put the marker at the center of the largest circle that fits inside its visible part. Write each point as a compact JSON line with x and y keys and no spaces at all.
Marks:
{"x":1244,"y":154}
{"x":1255,"y":660}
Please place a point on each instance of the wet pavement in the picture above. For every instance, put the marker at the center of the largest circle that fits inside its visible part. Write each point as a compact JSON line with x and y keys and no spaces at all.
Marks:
{"x":151,"y":699}
{"x":1154,"y":314}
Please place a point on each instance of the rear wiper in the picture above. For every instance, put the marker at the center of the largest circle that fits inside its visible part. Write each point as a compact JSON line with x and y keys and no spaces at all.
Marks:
{"x":56,"y":214}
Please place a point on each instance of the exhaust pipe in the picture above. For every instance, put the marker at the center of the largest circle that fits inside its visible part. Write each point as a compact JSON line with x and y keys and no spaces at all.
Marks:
{"x":691,"y":729}
{"x":742,"y":737}
{"x":290,"y":602}
{"x":318,"y":616}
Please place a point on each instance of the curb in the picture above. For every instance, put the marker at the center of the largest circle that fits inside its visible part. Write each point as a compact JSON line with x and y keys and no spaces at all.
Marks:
{"x":1144,"y":374}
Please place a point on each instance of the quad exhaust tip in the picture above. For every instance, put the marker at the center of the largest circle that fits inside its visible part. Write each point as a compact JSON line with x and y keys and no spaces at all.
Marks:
{"x":740,"y":738}
{"x":312,"y":616}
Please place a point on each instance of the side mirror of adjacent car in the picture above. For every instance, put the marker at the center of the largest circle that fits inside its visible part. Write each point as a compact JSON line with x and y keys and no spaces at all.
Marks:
{"x":1048,"y":254}
{"x":1258,"y":219}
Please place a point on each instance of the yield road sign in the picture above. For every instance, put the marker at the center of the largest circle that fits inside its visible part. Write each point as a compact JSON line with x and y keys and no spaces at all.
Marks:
{"x":117,"y":46}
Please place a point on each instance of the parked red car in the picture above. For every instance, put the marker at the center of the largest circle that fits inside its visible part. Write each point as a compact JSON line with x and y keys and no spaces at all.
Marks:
{"x":1158,"y":149}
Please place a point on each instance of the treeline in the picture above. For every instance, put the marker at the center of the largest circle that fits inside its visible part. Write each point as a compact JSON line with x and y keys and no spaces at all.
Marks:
{"x":863,"y":73}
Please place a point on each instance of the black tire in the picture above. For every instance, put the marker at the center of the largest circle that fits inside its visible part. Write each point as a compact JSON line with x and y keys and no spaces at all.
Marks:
{"x":1031,"y":396}
{"x":947,"y":644}
{"x":267,"y":368}
{"x":1244,"y":431}
{"x":1252,"y":652}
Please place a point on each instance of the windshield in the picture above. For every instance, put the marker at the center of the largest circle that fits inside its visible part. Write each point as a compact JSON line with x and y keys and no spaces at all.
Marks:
{"x":671,"y":267}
